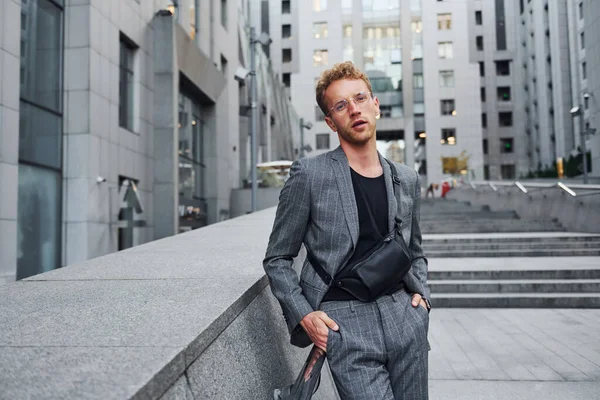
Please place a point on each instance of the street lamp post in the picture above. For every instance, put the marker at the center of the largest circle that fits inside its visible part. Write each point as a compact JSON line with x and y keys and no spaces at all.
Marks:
{"x":302,"y":126}
{"x":578,"y":111}
{"x":263,"y":39}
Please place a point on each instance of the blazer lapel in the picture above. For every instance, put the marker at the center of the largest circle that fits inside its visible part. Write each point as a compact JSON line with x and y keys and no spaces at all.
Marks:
{"x":344,"y":183}
{"x":389,"y":187}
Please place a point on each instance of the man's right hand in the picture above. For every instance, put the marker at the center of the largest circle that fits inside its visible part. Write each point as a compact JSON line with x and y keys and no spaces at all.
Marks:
{"x":317,"y":325}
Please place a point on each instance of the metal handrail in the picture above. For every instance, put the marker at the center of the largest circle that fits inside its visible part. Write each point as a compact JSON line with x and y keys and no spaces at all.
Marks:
{"x":523,"y":187}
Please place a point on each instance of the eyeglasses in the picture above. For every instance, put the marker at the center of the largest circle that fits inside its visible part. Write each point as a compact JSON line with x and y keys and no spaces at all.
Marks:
{"x":342,"y":105}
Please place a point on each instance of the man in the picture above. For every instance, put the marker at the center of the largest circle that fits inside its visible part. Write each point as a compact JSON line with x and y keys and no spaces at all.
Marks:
{"x":339,"y":205}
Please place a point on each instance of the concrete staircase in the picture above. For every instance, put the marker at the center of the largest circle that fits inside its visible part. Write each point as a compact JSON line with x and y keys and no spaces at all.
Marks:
{"x":534,"y":244}
{"x":474,"y":265}
{"x":448,"y":216}
{"x":552,"y":287}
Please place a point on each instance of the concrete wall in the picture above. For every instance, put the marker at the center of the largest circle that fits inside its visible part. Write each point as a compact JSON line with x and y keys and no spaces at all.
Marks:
{"x":191,"y":314}
{"x":241,"y":200}
{"x":577,"y":214}
{"x":10,"y":27}
{"x":94,"y":142}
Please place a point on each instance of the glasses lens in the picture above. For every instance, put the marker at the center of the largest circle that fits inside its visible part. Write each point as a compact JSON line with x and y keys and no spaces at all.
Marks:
{"x":340,"y":106}
{"x":361,"y":97}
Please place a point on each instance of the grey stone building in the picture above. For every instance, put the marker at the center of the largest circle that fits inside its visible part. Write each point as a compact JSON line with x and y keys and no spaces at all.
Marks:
{"x":591,"y":68}
{"x":493,"y":44}
{"x":121,"y":123}
{"x":556,"y":57}
{"x":401,"y":46}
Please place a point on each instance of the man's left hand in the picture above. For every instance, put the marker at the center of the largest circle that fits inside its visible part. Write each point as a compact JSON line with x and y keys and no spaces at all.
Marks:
{"x":417,"y":299}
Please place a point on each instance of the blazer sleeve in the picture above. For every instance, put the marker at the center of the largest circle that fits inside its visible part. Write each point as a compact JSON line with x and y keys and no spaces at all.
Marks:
{"x":419,"y":262}
{"x":289,"y":229}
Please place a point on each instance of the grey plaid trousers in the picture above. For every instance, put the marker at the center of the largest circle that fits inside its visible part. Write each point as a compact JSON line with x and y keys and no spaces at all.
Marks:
{"x":380,"y":351}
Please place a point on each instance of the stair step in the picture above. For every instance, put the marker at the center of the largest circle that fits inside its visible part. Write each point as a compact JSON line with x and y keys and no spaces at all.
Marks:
{"x":516,"y":286}
{"x":516,"y":300}
{"x":515,"y":253}
{"x":515,"y":274}
{"x":427,"y":247}
{"x":511,"y":240}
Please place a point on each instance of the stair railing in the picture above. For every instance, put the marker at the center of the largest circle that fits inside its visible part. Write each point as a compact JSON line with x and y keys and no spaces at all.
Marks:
{"x":532,"y":187}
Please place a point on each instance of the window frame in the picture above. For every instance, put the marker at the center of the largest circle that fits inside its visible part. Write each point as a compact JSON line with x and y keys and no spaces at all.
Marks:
{"x":126,"y":86}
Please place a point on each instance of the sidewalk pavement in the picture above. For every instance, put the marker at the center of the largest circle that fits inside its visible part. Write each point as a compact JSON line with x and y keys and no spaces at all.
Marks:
{"x":514,"y":354}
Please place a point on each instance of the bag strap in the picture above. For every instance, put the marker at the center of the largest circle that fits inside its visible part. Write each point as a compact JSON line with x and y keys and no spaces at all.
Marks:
{"x":318,"y":268}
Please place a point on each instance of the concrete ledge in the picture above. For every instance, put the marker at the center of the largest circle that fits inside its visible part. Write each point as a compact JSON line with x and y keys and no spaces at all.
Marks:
{"x":577,"y":214}
{"x":189,"y":314}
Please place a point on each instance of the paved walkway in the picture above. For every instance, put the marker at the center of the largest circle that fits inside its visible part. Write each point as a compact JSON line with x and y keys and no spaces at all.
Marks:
{"x":515,"y":354}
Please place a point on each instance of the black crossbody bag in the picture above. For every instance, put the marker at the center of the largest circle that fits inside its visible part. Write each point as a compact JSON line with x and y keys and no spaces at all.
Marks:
{"x":382,"y":268}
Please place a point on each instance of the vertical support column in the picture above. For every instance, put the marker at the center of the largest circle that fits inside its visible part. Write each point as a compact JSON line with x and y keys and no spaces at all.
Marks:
{"x":166,"y":87}
{"x":10,"y":54}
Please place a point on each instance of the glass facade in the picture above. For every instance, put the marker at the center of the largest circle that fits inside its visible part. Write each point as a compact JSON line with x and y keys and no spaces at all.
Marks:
{"x":40,"y":138}
{"x":39,"y":220}
{"x":382,"y":53}
{"x":192,"y":131}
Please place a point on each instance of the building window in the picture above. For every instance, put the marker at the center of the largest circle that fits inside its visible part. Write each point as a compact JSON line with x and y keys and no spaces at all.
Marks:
{"x":322,"y":140}
{"x":320,"y":58}
{"x":503,"y":68}
{"x":418,"y":81}
{"x":481,"y":68}
{"x":287,"y":79}
{"x":504,"y":93}
{"x":478,"y":18}
{"x":586,"y":102}
{"x":444,"y":22}
{"x":447,"y":79}
{"x":126,"y":83}
{"x":319,"y":5}
{"x":483,"y":120}
{"x":320,"y":30}
{"x":224,"y":13}
{"x":506,"y":145}
{"x":479,"y":43}
{"x":286,"y":55}
{"x":485,"y":146}
{"x":319,"y":116}
{"x":581,"y":10}
{"x":500,"y":25}
{"x":286,"y":31}
{"x":285,"y":6}
{"x":482,"y":94}
{"x":447,"y":107}
{"x":40,"y":133}
{"x":419,"y":108}
{"x":505,"y":118}
{"x":416,"y":26}
{"x":346,"y":6}
{"x":508,"y":171}
{"x":191,"y":152}
{"x":486,"y":172}
{"x":448,"y":136}
{"x":584,"y":70}
{"x":347,"y":31}
{"x":445,"y":50}
{"x":582,"y":37}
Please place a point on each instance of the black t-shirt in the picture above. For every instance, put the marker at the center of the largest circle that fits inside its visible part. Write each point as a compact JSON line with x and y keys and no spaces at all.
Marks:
{"x":372,"y":206}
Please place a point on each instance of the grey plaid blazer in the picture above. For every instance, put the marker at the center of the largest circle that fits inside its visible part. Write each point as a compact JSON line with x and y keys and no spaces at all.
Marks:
{"x":317,"y":208}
